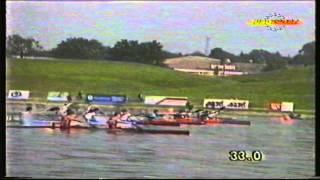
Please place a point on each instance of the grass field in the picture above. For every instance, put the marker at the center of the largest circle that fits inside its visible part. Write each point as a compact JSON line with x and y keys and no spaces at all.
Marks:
{"x":106,"y":77}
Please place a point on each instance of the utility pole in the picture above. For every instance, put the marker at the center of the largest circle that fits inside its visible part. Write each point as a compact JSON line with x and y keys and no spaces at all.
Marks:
{"x":206,"y":50}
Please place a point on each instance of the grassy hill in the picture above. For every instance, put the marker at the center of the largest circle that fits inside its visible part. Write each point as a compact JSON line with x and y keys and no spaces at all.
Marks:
{"x":106,"y":77}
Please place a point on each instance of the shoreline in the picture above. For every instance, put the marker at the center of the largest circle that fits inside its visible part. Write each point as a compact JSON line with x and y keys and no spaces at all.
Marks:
{"x":14,"y":106}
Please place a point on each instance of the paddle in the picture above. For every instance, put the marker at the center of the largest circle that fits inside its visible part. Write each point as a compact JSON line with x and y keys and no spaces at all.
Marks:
{"x":55,"y":108}
{"x":138,"y":127}
{"x":220,"y":109}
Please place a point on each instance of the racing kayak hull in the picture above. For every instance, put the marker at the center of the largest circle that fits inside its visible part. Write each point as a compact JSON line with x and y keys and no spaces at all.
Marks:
{"x":196,"y":121}
{"x":133,"y":130}
{"x":160,"y":123}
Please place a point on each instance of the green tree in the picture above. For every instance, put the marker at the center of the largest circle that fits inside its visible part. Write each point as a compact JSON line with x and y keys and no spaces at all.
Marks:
{"x":198,"y":53}
{"x":80,"y":48}
{"x":275,"y":64}
{"x":167,"y":54}
{"x":219,"y":53}
{"x":17,"y":45}
{"x":145,"y":52}
{"x":306,"y":55}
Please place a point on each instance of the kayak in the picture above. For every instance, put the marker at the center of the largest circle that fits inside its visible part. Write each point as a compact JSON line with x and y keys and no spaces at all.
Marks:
{"x":98,"y":121}
{"x":227,"y":121}
{"x":196,"y":121}
{"x":190,"y":121}
{"x":133,"y":130}
{"x":36,"y":123}
{"x":159,"y":123}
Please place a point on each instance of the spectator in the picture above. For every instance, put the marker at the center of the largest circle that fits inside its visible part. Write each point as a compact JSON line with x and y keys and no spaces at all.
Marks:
{"x":69,"y":98}
{"x":79,"y":95}
{"x":140,"y":97}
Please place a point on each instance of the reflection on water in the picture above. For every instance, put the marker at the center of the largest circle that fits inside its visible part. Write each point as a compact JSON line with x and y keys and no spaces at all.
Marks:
{"x":52,"y":153}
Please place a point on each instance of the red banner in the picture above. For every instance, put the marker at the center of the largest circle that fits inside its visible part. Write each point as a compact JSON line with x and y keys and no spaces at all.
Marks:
{"x":275,"y":106}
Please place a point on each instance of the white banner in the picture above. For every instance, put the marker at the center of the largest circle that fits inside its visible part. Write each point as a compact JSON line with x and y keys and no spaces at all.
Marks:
{"x":165,"y":100}
{"x":57,"y":96}
{"x":287,"y":107}
{"x":227,"y":103}
{"x":18,"y":94}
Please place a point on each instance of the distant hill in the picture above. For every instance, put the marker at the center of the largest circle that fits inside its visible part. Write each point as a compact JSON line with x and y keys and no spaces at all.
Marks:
{"x":107,"y":77}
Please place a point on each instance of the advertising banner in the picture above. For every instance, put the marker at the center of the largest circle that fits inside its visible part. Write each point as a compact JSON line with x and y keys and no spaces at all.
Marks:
{"x":224,"y":67}
{"x":275,"y":106}
{"x":227,"y":103}
{"x":106,"y":99}
{"x":57,"y":96}
{"x":165,"y":100}
{"x":18,"y":94}
{"x":287,"y":107}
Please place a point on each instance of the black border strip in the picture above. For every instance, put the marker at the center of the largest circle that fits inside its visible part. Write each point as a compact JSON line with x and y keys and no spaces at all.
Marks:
{"x":3,"y":92}
{"x":317,"y":98}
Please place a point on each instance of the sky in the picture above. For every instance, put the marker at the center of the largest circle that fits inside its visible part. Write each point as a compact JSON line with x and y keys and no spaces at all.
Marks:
{"x":180,"y":26}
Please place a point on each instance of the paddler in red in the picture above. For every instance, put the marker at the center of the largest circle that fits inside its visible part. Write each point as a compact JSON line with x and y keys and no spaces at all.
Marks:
{"x":66,"y":120}
{"x":113,"y":121}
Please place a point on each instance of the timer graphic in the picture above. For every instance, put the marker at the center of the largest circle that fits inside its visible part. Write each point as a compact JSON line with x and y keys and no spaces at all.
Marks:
{"x":242,"y":155}
{"x":273,"y":17}
{"x":274,"y":22}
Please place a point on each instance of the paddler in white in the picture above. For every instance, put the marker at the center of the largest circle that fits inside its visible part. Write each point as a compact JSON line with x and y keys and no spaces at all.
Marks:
{"x":91,"y":112}
{"x":27,"y":116}
{"x":63,"y":110}
{"x":213,"y":114}
{"x":124,"y":115}
{"x":154,"y":114}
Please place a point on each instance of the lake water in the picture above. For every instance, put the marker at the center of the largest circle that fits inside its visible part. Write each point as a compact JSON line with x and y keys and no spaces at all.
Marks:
{"x":45,"y":153}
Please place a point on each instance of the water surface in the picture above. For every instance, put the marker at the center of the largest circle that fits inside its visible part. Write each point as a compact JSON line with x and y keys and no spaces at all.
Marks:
{"x":45,"y":153}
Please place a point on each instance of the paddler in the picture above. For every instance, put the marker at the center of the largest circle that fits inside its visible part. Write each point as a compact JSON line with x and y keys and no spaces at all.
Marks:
{"x":124,"y":115}
{"x":66,"y":120}
{"x":154,"y":114}
{"x":112,"y":122}
{"x":63,"y":110}
{"x":27,"y":113}
{"x":27,"y":116}
{"x":90,"y":112}
{"x":213,"y":115}
{"x":179,"y":114}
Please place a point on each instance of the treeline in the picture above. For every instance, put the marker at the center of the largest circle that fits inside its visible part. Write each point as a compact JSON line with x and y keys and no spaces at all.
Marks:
{"x":150,"y":52}
{"x":81,"y":48}
{"x":305,"y":56}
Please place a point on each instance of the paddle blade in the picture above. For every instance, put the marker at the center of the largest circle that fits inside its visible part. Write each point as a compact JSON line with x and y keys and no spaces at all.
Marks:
{"x":56,"y":108}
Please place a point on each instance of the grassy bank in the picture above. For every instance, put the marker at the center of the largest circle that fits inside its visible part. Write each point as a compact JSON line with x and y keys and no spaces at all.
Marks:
{"x":106,"y":77}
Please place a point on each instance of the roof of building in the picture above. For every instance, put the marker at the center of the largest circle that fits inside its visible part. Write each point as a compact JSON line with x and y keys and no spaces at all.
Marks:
{"x":191,"y":62}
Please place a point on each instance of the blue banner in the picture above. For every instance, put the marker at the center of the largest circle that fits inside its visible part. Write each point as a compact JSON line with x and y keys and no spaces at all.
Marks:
{"x":106,"y":99}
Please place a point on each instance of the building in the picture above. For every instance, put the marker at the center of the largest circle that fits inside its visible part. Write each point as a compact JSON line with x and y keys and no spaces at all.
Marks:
{"x":227,"y":70}
{"x":193,"y":64}
{"x":196,"y":71}
{"x":228,"y":67}
{"x":203,"y":66}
